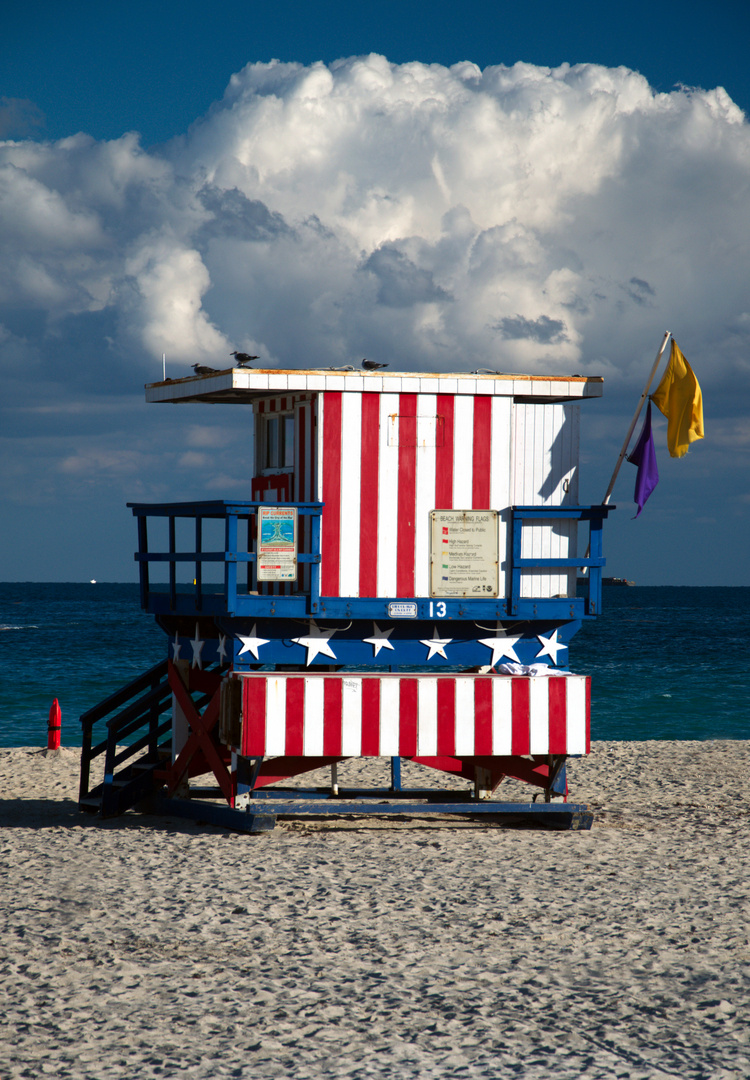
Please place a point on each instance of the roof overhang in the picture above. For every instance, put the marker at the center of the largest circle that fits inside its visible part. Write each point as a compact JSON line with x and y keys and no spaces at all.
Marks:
{"x":243,"y":385}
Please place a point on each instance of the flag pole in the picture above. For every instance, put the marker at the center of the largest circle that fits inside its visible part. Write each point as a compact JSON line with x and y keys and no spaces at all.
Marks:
{"x":634,"y":421}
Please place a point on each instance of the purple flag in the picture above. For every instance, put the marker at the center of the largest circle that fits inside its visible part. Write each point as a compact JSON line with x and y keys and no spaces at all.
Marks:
{"x":644,"y":456}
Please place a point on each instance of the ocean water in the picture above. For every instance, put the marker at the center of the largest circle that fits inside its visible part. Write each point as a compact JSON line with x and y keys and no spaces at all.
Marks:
{"x":665,"y":663}
{"x":77,"y":643}
{"x":668,"y":663}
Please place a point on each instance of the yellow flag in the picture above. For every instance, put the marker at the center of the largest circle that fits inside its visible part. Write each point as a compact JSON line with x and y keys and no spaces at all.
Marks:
{"x":679,"y":397}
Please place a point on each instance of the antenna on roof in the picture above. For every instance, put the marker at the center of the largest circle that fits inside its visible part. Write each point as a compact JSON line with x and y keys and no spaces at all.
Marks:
{"x":164,"y":366}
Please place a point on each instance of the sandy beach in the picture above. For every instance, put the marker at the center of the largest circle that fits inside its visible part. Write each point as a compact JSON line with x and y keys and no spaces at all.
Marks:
{"x":146,"y":947}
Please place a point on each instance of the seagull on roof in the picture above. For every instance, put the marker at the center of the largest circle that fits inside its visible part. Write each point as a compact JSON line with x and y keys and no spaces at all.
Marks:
{"x":244,"y":358}
{"x":372,"y":365}
{"x":201,"y":369}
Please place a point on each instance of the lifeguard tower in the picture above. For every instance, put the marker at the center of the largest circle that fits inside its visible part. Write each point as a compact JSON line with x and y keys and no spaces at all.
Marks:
{"x":402,"y":582}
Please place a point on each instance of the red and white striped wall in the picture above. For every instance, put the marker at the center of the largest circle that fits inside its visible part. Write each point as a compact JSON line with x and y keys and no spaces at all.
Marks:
{"x":350,"y":715}
{"x":386,"y":461}
{"x":382,"y":461}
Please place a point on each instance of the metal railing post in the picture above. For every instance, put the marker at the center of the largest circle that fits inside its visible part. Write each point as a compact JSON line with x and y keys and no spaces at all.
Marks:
{"x":315,"y":566}
{"x":143,"y":574}
{"x":230,"y":564}
{"x":172,"y":565}
{"x":198,"y":562}
{"x":595,"y":572}
{"x":515,"y":576}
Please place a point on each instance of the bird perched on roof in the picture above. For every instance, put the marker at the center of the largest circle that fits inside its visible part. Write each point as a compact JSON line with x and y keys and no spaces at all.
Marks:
{"x":371,"y":365}
{"x":201,"y":369}
{"x":243,"y":358}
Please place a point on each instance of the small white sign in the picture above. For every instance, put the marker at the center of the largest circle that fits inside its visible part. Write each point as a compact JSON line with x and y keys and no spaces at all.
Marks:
{"x":402,"y":610}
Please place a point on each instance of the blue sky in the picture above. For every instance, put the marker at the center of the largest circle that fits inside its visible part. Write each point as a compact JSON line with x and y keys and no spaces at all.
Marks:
{"x":584,"y":180}
{"x":155,"y":67}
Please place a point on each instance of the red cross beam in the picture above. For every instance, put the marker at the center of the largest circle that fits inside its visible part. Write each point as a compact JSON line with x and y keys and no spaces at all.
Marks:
{"x":200,"y":740}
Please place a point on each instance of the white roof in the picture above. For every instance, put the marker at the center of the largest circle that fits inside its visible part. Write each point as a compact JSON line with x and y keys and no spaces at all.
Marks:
{"x":244,"y":384}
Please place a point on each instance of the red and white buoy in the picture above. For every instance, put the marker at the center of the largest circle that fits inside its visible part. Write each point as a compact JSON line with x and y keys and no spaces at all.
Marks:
{"x":54,"y":726}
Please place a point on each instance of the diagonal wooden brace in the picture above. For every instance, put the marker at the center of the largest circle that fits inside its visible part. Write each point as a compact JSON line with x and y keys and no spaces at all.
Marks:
{"x":200,"y":738}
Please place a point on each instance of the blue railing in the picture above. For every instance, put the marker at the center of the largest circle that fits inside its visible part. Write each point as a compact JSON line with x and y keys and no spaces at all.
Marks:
{"x":201,"y":597}
{"x":232,"y":598}
{"x":593,"y":561}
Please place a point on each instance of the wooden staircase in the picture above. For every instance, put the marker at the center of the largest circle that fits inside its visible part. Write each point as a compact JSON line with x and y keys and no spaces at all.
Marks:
{"x":134,"y":744}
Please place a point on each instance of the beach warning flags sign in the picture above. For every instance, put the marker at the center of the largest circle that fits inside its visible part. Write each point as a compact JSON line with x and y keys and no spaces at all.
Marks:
{"x":679,"y":397}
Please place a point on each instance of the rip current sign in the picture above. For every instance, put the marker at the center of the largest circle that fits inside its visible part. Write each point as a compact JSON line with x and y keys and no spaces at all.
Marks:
{"x":464,"y":553}
{"x":277,"y":543}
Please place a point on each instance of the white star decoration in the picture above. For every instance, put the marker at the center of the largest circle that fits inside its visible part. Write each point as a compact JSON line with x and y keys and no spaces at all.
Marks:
{"x":379,"y":639}
{"x":222,"y":649}
{"x":176,"y":647}
{"x":435,"y":644}
{"x":251,"y":643}
{"x":316,"y":641}
{"x":502,"y":646}
{"x":197,"y":646}
{"x":550,"y":646}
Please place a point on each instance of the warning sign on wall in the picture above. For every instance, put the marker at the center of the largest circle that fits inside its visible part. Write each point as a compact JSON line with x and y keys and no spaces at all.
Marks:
{"x":277,"y":543}
{"x":464,"y":553}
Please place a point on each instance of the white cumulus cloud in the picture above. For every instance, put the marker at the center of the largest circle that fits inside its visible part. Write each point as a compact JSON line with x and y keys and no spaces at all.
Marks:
{"x":520,"y":217}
